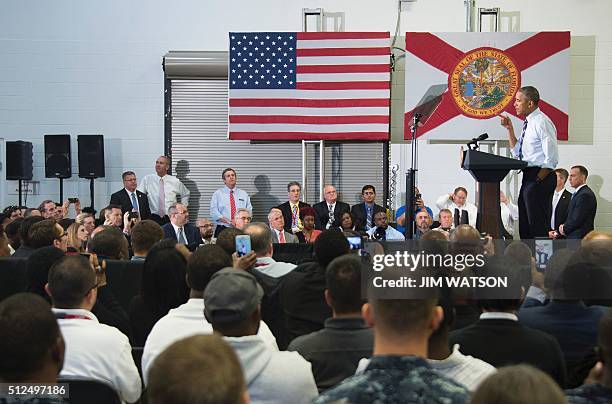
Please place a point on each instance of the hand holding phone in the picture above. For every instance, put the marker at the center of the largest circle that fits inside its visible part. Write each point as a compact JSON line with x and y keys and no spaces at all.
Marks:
{"x":243,"y":245}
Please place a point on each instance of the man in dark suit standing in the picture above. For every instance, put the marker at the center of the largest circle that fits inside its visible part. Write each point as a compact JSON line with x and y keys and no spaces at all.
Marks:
{"x":560,"y":201}
{"x":179,"y":228}
{"x":130,"y":199}
{"x":364,"y":212}
{"x":291,"y":208}
{"x":330,"y":210}
{"x":582,"y":207}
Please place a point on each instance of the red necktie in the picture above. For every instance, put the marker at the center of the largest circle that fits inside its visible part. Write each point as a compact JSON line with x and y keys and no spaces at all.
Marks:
{"x":281,"y":236}
{"x":232,"y":206}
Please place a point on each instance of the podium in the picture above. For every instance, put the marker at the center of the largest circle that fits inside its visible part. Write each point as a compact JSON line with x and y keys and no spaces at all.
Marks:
{"x":489,"y":170}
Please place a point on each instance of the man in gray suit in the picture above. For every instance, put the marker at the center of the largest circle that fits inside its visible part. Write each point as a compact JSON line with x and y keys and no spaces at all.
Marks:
{"x":277,"y":224}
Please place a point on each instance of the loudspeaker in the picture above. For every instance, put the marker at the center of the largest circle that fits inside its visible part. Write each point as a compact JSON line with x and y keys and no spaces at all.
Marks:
{"x":91,"y":156}
{"x":19,"y":160}
{"x":58,"y":163}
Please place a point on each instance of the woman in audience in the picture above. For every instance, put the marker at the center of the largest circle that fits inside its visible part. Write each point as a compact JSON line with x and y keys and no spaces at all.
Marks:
{"x":347,"y":221}
{"x":519,"y":384}
{"x":163,"y":288}
{"x":77,"y":237}
{"x":308,"y":215}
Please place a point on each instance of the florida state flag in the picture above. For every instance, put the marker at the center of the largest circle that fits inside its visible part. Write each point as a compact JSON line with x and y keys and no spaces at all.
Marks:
{"x":461,"y":82}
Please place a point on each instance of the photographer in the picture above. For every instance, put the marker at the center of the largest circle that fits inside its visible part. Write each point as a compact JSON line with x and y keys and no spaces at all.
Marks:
{"x":383,"y":231}
{"x":400,"y":215}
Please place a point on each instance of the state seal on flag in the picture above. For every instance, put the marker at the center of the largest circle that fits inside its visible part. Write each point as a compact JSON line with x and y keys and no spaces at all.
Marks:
{"x":483,"y":82}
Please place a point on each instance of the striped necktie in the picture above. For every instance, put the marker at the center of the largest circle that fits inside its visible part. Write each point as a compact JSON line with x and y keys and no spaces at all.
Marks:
{"x":520,"y":153}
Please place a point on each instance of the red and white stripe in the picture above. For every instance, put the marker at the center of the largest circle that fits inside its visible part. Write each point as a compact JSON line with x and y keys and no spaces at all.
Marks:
{"x":343,"y":93}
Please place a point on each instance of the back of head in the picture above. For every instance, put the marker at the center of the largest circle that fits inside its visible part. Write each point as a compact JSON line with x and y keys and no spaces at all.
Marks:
{"x":70,"y":279}
{"x":163,"y":278}
{"x":521,"y":253}
{"x":503,"y":298}
{"x":465,"y":239}
{"x":445,"y":301}
{"x":29,"y":333}
{"x":232,"y":299}
{"x":604,"y":339}
{"x":25,"y":228}
{"x":261,"y":238}
{"x":227,"y":239}
{"x":555,"y":268}
{"x":144,"y":234}
{"x":200,"y":369}
{"x":204,"y":263}
{"x":402,"y":317}
{"x":329,"y":245}
{"x":109,"y":243}
{"x":519,"y":384}
{"x":343,"y":278}
{"x":37,"y":269}
{"x":43,"y":233}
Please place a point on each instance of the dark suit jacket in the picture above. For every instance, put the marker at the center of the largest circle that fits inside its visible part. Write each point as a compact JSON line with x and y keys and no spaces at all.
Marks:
{"x":581,"y":214}
{"x":122,"y":198}
{"x":286,"y":209}
{"x":192,"y":233}
{"x":561,"y":209}
{"x":323,"y":214}
{"x":502,"y":342}
{"x":360,"y":215}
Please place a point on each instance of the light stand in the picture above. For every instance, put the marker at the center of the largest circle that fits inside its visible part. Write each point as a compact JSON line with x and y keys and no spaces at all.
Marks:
{"x":409,"y":224}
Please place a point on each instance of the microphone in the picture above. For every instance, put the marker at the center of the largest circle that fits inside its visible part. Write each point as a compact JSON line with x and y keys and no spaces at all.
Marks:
{"x":480,"y":138}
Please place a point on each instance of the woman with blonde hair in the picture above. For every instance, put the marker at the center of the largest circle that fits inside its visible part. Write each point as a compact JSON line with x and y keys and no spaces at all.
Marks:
{"x":77,"y":237}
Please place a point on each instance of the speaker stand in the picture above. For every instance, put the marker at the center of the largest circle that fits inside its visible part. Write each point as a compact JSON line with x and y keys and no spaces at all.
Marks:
{"x":20,"y":188}
{"x":91,"y":192}
{"x":61,"y":201}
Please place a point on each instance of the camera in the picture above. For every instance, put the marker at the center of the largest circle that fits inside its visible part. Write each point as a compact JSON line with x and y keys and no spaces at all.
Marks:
{"x":133,"y":215}
{"x":73,"y":200}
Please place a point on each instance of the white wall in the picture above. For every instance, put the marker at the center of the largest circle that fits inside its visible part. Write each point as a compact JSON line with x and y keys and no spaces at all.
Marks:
{"x":89,"y":67}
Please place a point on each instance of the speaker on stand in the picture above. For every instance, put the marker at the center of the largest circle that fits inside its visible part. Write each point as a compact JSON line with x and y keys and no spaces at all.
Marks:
{"x":19,"y":163}
{"x":58,"y":163}
{"x":91,"y":160}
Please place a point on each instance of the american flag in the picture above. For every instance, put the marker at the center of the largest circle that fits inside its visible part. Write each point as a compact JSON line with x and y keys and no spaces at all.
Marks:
{"x":309,"y":85}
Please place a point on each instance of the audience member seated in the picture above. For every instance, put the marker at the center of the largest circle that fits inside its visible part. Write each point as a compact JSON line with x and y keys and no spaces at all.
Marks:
{"x":335,"y":351}
{"x":207,"y":231}
{"x":330,"y":210}
{"x":242,"y":218}
{"x":463,"y":212}
{"x":12,"y":233}
{"x":277,"y":224}
{"x":233,"y":308}
{"x":398,"y":371}
{"x":47,"y":232}
{"x":37,"y":269}
{"x":498,"y":337}
{"x":144,"y":235}
{"x":77,"y":237}
{"x":227,"y":239}
{"x":5,"y":248}
{"x":423,"y":224}
{"x":449,"y":361}
{"x":519,"y":384}
{"x":25,"y":249}
{"x":363,"y":213}
{"x":308,"y":217}
{"x":32,"y":348}
{"x":521,"y":254}
{"x":93,"y":350}
{"x":382,"y":231}
{"x":347,"y":222}
{"x":566,"y":317}
{"x":163,"y":288}
{"x":445,"y":221}
{"x":400,"y":215}
{"x":180,"y":229}
{"x":261,"y":244}
{"x":200,"y":369}
{"x":87,"y":220}
{"x":188,"y":319}
{"x":292,"y":209}
{"x":108,"y":242}
{"x":598,"y":387}
{"x":32,"y":212}
{"x":509,"y":214}
{"x":48,"y":209}
{"x":302,"y":290}
{"x":113,"y":216}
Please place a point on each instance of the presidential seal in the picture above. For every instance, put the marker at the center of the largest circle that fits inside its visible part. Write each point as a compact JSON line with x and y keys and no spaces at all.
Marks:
{"x":484,"y":82}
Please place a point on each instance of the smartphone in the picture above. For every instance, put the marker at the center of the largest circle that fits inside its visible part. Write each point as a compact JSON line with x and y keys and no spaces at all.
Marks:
{"x":133,"y":215}
{"x":543,"y":252}
{"x":243,"y":245}
{"x":73,"y":200}
{"x":355,"y":242}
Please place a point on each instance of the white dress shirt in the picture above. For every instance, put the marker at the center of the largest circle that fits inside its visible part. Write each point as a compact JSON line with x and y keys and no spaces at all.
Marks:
{"x":220,"y":204}
{"x":509,"y":215}
{"x":444,"y":202}
{"x":390,"y":233}
{"x":540,"y":143}
{"x":183,"y":322}
{"x":463,"y":369}
{"x":270,"y":267}
{"x":99,"y":352}
{"x":555,"y":201}
{"x":173,"y":188}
